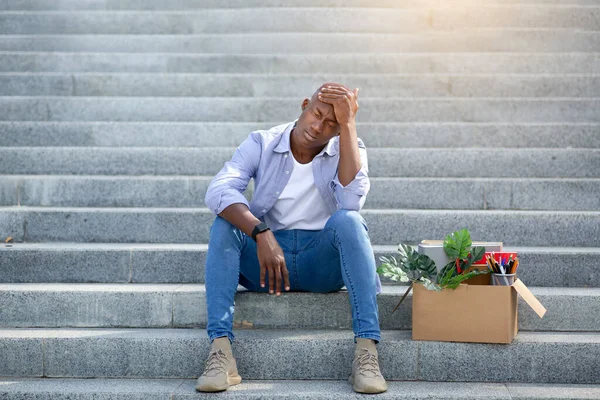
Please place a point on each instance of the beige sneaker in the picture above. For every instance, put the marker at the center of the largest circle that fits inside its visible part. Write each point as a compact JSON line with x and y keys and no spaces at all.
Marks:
{"x":366,"y":377}
{"x":221,"y":369}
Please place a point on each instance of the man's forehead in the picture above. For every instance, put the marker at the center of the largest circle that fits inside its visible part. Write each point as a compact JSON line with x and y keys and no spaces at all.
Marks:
{"x":325,"y":108}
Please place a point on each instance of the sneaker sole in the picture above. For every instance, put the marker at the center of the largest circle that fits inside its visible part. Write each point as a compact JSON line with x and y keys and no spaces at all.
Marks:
{"x":231,"y":381}
{"x":367,"y":390}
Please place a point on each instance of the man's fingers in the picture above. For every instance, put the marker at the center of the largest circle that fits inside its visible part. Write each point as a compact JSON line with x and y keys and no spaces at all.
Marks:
{"x":333,"y":96}
{"x":356,"y":93}
{"x":262,"y":275}
{"x":285,"y":274}
{"x":336,"y":91}
{"x":336,"y":87}
{"x":278,"y":280}
{"x":286,"y":277}
{"x":271,"y":280}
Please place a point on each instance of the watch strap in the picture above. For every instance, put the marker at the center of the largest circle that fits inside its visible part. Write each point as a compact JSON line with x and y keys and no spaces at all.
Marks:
{"x":258,"y":229}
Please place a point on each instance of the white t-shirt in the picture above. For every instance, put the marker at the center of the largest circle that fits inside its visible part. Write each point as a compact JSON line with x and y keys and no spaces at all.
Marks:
{"x":300,"y":205}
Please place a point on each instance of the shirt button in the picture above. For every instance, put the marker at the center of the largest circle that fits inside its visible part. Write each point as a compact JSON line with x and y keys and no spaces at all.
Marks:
{"x":287,"y":172}
{"x":285,"y":156}
{"x":264,"y":210}
{"x":276,"y":192}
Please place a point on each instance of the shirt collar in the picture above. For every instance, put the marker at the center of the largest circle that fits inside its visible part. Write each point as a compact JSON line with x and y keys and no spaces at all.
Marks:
{"x":284,"y":142}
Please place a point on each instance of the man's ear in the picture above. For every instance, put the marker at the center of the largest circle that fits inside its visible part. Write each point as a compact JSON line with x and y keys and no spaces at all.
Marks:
{"x":305,"y":104}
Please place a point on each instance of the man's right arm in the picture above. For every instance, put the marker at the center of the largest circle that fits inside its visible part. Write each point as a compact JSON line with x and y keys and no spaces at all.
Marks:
{"x":225,"y":198}
{"x":227,"y":187}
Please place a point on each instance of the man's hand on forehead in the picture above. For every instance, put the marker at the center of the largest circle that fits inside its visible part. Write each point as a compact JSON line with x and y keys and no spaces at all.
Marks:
{"x":343,"y":100}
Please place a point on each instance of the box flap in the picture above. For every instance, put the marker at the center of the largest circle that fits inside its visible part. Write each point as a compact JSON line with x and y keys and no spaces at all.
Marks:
{"x":529,"y":298}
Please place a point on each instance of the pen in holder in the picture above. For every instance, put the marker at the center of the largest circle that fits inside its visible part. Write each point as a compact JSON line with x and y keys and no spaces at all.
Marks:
{"x":503,"y":279}
{"x":504,"y":270}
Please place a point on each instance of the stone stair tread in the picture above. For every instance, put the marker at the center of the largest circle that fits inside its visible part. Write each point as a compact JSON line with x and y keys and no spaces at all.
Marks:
{"x":224,"y":134}
{"x":387,"y":226}
{"x":158,"y":305}
{"x":300,"y":19}
{"x":473,"y":193}
{"x":500,"y":62}
{"x":387,"y":290}
{"x":285,"y":335}
{"x":184,"y":263}
{"x":201,"y":109}
{"x":383,"y":162}
{"x":566,"y":357}
{"x":174,"y":389}
{"x":469,"y":40}
{"x":196,"y":85}
{"x":204,"y":246}
{"x":230,"y":4}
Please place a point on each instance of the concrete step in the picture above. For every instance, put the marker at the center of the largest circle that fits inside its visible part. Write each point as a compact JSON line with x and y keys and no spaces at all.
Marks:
{"x":244,"y":109}
{"x":356,"y":63}
{"x":184,"y":263}
{"x":569,"y":358}
{"x":175,"y":389}
{"x":333,"y":19}
{"x":383,"y":162}
{"x":231,"y":134}
{"x":389,"y":227}
{"x":208,"y":4}
{"x":153,"y":263}
{"x":469,"y":40}
{"x":97,"y":305}
{"x":260,"y":85}
{"x":417,"y":193}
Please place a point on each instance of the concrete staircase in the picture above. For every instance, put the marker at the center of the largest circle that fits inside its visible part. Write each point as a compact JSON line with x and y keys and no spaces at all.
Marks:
{"x":114,"y":115}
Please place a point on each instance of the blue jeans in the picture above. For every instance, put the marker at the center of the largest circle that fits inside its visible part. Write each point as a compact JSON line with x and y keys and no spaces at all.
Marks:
{"x":317,"y":261}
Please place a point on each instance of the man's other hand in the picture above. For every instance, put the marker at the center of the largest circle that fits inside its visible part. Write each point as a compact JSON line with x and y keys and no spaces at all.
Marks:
{"x":272,"y":262}
{"x":343,"y":100}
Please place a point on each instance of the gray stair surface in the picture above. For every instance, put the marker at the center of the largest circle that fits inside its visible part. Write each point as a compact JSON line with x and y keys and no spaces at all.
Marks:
{"x":245,"y":109}
{"x":304,"y":19}
{"x":174,"y":389}
{"x":116,"y":114}
{"x":356,"y":63}
{"x":383,"y":162}
{"x":178,"y":306}
{"x":522,"y":40}
{"x":194,"y":4}
{"x":256,"y":85}
{"x":387,"y":226}
{"x":189,"y":191}
{"x":534,"y":357}
{"x":229,"y":134}
{"x":184,"y":263}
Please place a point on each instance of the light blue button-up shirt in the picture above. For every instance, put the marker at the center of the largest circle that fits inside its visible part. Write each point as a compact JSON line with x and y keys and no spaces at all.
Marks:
{"x":266,"y":156}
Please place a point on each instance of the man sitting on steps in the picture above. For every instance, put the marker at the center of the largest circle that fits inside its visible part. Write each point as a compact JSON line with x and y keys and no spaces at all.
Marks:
{"x":301,"y":231}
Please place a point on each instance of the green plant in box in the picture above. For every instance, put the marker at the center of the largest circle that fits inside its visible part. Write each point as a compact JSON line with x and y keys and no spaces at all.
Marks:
{"x":411,"y":266}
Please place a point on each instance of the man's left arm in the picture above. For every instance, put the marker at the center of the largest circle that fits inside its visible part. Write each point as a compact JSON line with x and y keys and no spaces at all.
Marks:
{"x":352,"y":180}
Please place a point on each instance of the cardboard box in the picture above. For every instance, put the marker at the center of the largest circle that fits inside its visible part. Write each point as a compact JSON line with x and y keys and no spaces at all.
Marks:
{"x":470,"y":313}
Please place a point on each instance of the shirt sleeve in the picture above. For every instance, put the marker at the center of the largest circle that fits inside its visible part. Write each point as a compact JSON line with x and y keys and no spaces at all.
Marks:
{"x":227,"y":187}
{"x":353,"y":195}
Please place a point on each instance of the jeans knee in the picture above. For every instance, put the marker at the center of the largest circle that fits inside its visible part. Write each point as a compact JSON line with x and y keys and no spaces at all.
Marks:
{"x":222,"y":230}
{"x":346,"y":221}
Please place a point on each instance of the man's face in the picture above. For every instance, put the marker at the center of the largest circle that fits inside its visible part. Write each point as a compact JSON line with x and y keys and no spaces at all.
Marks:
{"x":316,"y":125}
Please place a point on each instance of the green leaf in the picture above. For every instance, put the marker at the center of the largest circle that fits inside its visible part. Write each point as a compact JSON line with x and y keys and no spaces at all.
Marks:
{"x":455,"y":281}
{"x":448,"y":272}
{"x":457,"y":244}
{"x":475,"y":255}
{"x":416,"y":265}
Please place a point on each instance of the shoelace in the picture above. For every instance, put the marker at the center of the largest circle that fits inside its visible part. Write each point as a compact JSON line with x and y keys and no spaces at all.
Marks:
{"x":367,"y":363}
{"x":216,"y":361}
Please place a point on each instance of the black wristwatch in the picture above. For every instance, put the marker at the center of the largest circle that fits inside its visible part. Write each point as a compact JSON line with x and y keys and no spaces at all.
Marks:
{"x":258,"y":229}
